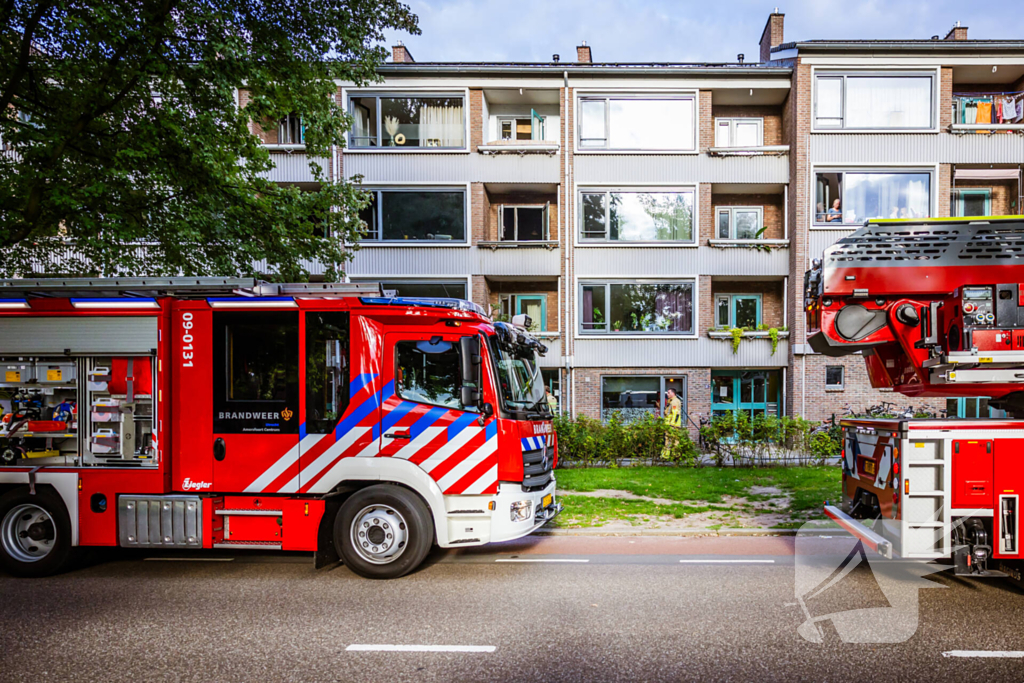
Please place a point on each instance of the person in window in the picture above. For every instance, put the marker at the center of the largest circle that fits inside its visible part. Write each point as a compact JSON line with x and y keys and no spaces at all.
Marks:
{"x":835,"y":215}
{"x":673,"y":422}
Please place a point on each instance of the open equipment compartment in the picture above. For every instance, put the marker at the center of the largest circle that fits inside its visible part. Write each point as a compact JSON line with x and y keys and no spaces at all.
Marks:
{"x":39,"y":399}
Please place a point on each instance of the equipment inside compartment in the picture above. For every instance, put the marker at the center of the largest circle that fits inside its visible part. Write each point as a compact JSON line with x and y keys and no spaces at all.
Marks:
{"x":77,"y":411}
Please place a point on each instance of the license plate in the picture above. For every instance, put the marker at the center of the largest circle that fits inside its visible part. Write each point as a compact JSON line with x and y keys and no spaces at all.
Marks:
{"x":547,"y":500}
{"x":869,"y":467}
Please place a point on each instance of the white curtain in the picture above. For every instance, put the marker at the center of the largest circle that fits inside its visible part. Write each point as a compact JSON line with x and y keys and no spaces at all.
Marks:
{"x":441,"y":126}
{"x":888,"y":102}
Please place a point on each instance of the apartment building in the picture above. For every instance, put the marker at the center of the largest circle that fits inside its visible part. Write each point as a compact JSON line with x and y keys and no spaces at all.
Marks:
{"x":643,"y":214}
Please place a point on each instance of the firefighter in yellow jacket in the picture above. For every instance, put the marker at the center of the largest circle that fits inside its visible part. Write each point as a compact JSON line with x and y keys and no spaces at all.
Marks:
{"x":673,"y":421}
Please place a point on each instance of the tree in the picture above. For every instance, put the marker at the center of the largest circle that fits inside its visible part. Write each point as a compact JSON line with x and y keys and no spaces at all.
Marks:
{"x":125,"y":151}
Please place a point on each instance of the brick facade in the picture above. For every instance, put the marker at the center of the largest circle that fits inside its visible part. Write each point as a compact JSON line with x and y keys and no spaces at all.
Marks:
{"x":496,"y":201}
{"x":772,"y":117}
{"x":1004,"y":196}
{"x":547,"y":289}
{"x":770,"y":203}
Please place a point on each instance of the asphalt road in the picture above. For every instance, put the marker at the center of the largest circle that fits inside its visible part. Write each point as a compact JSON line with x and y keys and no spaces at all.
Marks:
{"x":624,"y":609}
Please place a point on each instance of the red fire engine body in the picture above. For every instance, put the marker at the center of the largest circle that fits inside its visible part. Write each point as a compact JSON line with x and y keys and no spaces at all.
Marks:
{"x":936,"y":307}
{"x":209,"y":413}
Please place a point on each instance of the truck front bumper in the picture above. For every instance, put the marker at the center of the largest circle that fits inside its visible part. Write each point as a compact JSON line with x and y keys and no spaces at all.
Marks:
{"x":542,"y":506}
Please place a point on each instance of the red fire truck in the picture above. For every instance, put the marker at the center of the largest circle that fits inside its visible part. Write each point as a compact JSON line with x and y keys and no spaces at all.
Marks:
{"x":936,"y":307}
{"x":237,"y":414}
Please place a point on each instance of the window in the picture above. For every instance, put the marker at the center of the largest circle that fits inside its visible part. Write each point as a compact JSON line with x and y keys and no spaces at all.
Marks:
{"x":738,"y":310}
{"x":627,"y":123}
{"x":740,"y":222}
{"x":853,"y":197}
{"x":873,"y":101}
{"x":739,"y":132}
{"x":397,"y":121}
{"x":637,"y":216}
{"x":430,"y":373}
{"x":429,"y":289}
{"x":524,"y":223}
{"x":416,"y":215}
{"x":327,"y":370}
{"x":291,"y":130}
{"x":834,"y":377}
{"x":637,"y":308}
{"x":521,"y":127}
{"x":630,"y":398}
{"x":256,"y":358}
{"x":973,"y":203}
{"x":533,"y":305}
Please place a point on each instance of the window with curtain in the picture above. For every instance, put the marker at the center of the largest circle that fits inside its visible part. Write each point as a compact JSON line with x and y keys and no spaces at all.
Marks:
{"x":425,"y":289}
{"x":637,"y":215}
{"x":407,"y":122}
{"x":852,"y":197}
{"x":637,"y":307}
{"x":626,"y":123}
{"x":874,"y":100}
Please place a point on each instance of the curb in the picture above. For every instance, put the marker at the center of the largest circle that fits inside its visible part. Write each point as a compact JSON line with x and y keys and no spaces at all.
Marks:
{"x":681,"y":533}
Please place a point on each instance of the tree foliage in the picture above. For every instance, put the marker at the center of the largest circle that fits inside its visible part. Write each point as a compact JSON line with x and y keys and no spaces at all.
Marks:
{"x":125,"y":150}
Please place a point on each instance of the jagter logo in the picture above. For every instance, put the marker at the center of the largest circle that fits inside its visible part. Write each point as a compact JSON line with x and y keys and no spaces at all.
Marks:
{"x":286,"y":414}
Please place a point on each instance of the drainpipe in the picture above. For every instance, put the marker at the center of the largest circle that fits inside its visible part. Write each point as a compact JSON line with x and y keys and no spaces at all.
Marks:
{"x":570,"y":375}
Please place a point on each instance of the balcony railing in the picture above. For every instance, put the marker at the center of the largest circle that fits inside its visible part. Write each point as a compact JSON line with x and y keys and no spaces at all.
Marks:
{"x":993,"y":112}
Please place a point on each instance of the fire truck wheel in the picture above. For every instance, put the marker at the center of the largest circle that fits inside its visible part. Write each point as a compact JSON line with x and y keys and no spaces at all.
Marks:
{"x":35,"y":532}
{"x":383,"y":532}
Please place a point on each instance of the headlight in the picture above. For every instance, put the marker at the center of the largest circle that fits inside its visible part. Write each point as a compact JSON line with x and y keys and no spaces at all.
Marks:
{"x":521,"y":511}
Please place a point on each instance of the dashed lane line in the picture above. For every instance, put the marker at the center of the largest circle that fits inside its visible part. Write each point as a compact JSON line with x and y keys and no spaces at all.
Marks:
{"x":727,"y":561}
{"x":1007,"y":654}
{"x":517,"y":559}
{"x":419,"y":648}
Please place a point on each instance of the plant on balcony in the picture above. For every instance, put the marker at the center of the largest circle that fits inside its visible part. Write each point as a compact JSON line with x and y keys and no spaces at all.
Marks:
{"x":737,"y":337}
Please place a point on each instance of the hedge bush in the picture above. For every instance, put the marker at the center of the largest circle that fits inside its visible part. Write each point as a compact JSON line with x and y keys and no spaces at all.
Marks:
{"x":768,"y":439}
{"x":586,"y":442}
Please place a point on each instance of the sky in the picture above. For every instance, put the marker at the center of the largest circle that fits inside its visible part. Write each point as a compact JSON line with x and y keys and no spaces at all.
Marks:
{"x":666,"y":31}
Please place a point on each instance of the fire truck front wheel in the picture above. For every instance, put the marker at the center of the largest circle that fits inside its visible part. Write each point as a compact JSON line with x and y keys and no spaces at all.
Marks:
{"x":35,"y":532}
{"x":383,"y":531}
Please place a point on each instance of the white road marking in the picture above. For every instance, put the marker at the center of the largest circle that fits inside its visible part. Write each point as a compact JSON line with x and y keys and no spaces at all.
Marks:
{"x":420,"y":648}
{"x":1009,"y":654}
{"x":513,"y":559}
{"x":188,"y":559}
{"x":727,"y":561}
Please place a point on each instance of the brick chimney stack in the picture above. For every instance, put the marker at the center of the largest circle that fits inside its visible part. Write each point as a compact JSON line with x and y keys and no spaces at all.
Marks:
{"x":958,"y":32}
{"x":772,"y":34}
{"x":583,"y":53}
{"x":400,"y":54}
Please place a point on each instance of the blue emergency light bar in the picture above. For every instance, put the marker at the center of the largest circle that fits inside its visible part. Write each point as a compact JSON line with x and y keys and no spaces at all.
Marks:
{"x":454,"y":304}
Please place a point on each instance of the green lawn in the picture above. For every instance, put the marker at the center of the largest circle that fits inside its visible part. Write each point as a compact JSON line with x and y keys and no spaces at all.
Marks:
{"x":696,"y":490}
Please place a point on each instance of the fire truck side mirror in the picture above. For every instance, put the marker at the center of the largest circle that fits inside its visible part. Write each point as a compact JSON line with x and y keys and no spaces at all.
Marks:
{"x":470,"y":352}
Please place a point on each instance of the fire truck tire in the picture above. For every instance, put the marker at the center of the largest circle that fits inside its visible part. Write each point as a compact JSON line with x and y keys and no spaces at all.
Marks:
{"x":383,"y":531}
{"x":35,"y":533}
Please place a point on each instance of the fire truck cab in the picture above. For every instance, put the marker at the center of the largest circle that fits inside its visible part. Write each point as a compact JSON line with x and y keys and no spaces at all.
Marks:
{"x":202,"y":413}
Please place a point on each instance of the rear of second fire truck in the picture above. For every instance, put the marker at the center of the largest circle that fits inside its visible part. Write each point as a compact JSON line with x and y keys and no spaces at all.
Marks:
{"x":230,"y":414}
{"x":936,"y":308}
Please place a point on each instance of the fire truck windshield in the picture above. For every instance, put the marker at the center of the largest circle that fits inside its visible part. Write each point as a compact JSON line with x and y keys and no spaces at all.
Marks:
{"x":519,"y":378}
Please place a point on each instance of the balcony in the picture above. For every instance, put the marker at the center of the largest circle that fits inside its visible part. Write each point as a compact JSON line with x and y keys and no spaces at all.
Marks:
{"x":291,"y":164}
{"x":669,"y":353}
{"x":520,"y":258}
{"x":988,"y":113}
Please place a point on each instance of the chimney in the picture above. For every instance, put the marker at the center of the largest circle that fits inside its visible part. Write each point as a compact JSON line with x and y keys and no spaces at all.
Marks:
{"x":958,"y":32}
{"x":583,"y":53}
{"x":400,"y":54}
{"x":772,"y":34}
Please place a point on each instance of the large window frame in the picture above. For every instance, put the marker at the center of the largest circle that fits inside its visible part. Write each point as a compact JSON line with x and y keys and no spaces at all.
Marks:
{"x":378,"y":94}
{"x":665,"y":382}
{"x":583,"y":241}
{"x":608,"y":331}
{"x":841,"y":77}
{"x":731,"y":212}
{"x":584,"y":145}
{"x":818,"y":223}
{"x":375,"y":232}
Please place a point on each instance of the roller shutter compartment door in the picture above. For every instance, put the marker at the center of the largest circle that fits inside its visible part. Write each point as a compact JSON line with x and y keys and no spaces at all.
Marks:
{"x":111,"y":335}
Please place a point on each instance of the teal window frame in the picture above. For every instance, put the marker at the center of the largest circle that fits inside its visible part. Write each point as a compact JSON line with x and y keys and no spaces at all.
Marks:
{"x":737,"y":404}
{"x":543,"y":308}
{"x":733,"y":298}
{"x":984,"y":192}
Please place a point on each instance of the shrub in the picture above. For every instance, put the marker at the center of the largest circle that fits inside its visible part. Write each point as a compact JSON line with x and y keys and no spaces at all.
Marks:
{"x":767,"y":439}
{"x":586,"y":442}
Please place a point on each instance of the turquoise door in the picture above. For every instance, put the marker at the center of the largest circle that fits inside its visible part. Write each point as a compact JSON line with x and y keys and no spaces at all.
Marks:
{"x":753,"y":391}
{"x":536,"y":307}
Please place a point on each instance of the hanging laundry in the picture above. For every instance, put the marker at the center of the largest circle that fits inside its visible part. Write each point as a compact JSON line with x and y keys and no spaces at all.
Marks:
{"x":984,"y":114}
